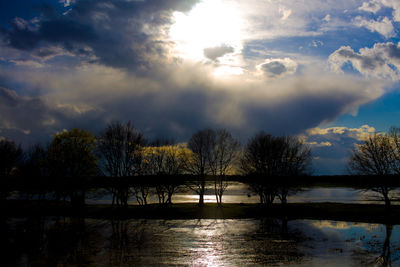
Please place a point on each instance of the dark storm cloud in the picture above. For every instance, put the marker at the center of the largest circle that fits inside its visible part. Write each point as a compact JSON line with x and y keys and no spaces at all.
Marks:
{"x":177,"y":119}
{"x":21,"y":114}
{"x":190,"y":99}
{"x":123,"y":34}
{"x":58,"y":31}
{"x":64,"y":30}
{"x":215,"y":52}
{"x":8,"y":98}
{"x":293,"y":115}
{"x":30,"y":119}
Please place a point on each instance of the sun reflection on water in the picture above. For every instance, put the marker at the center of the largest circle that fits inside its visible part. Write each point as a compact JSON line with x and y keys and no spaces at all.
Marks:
{"x":246,"y":242}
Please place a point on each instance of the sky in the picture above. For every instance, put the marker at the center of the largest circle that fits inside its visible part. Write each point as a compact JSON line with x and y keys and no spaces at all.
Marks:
{"x":325,"y":71}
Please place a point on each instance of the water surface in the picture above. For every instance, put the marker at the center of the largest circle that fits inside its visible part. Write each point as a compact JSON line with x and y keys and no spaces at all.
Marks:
{"x":244,"y":242}
{"x":240,"y":193}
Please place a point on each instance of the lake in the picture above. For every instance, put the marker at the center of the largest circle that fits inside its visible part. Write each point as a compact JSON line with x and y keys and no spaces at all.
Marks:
{"x":54,"y":241}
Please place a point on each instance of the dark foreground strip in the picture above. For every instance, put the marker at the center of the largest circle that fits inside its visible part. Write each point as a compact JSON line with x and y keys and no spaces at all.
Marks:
{"x":369,"y":213}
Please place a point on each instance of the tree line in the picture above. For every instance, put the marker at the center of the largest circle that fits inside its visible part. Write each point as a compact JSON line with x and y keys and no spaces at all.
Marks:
{"x":122,"y":153}
{"x":266,"y":163}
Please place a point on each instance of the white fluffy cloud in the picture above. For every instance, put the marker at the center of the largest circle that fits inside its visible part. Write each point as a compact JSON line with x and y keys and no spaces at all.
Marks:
{"x":382,"y":26}
{"x":380,"y":61}
{"x":375,"y":5}
{"x":371,"y":6}
{"x":331,"y":147}
{"x":395,"y":5}
{"x":358,"y":134}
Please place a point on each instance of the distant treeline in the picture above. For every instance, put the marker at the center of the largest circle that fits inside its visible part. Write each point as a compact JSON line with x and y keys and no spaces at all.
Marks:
{"x":16,"y":183}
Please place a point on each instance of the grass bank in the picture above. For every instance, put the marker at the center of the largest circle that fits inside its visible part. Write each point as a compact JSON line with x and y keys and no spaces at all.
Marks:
{"x":370,"y":213}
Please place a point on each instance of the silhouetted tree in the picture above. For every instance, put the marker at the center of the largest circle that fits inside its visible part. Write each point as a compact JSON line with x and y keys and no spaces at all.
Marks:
{"x":373,"y":156}
{"x":377,"y":155}
{"x":166,"y":162}
{"x":175,"y":161}
{"x":35,"y":163}
{"x":266,"y":158}
{"x":296,"y":161}
{"x":259,"y":164}
{"x":71,"y":158}
{"x":35,"y":170}
{"x":221,"y":159}
{"x":201,"y":144}
{"x":11,"y":157}
{"x":394,"y":135}
{"x":120,"y":147}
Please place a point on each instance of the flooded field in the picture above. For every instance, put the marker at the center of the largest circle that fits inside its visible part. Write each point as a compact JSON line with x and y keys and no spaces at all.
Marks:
{"x":248,"y":242}
{"x":240,"y":193}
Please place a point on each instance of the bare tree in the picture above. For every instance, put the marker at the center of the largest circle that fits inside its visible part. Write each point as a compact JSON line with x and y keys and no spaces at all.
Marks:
{"x":267,"y":157}
{"x":165,"y":161}
{"x":259,"y":164}
{"x":201,"y":144}
{"x":152,"y":164}
{"x":379,"y":156}
{"x":175,"y":162}
{"x":120,"y":149}
{"x":221,"y":159}
{"x":373,"y":156}
{"x":394,"y":135}
{"x":295,"y":161}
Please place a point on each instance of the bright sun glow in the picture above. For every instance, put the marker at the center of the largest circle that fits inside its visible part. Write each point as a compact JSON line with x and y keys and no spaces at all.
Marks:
{"x":212,"y":24}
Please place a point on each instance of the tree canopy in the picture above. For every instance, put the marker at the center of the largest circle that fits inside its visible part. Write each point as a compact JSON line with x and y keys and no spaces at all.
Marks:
{"x":71,"y":154}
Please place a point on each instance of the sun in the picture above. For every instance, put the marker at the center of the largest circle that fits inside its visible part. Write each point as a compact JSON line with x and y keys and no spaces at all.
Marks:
{"x":212,"y":30}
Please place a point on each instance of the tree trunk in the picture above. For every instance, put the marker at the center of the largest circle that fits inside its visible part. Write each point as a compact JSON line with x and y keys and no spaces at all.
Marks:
{"x":201,"y":199}
{"x":169,"y":198}
{"x":216,"y":191}
{"x":202,"y":190}
{"x":386,"y":198}
{"x":261,"y":198}
{"x":284,"y":200}
{"x":220,"y":200}
{"x":387,"y":201}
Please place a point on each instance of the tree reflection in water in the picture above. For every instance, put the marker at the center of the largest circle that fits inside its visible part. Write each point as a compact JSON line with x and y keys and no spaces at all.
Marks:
{"x":273,"y":243}
{"x":90,"y":242}
{"x":385,"y":258}
{"x":126,"y":237}
{"x":44,"y":242}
